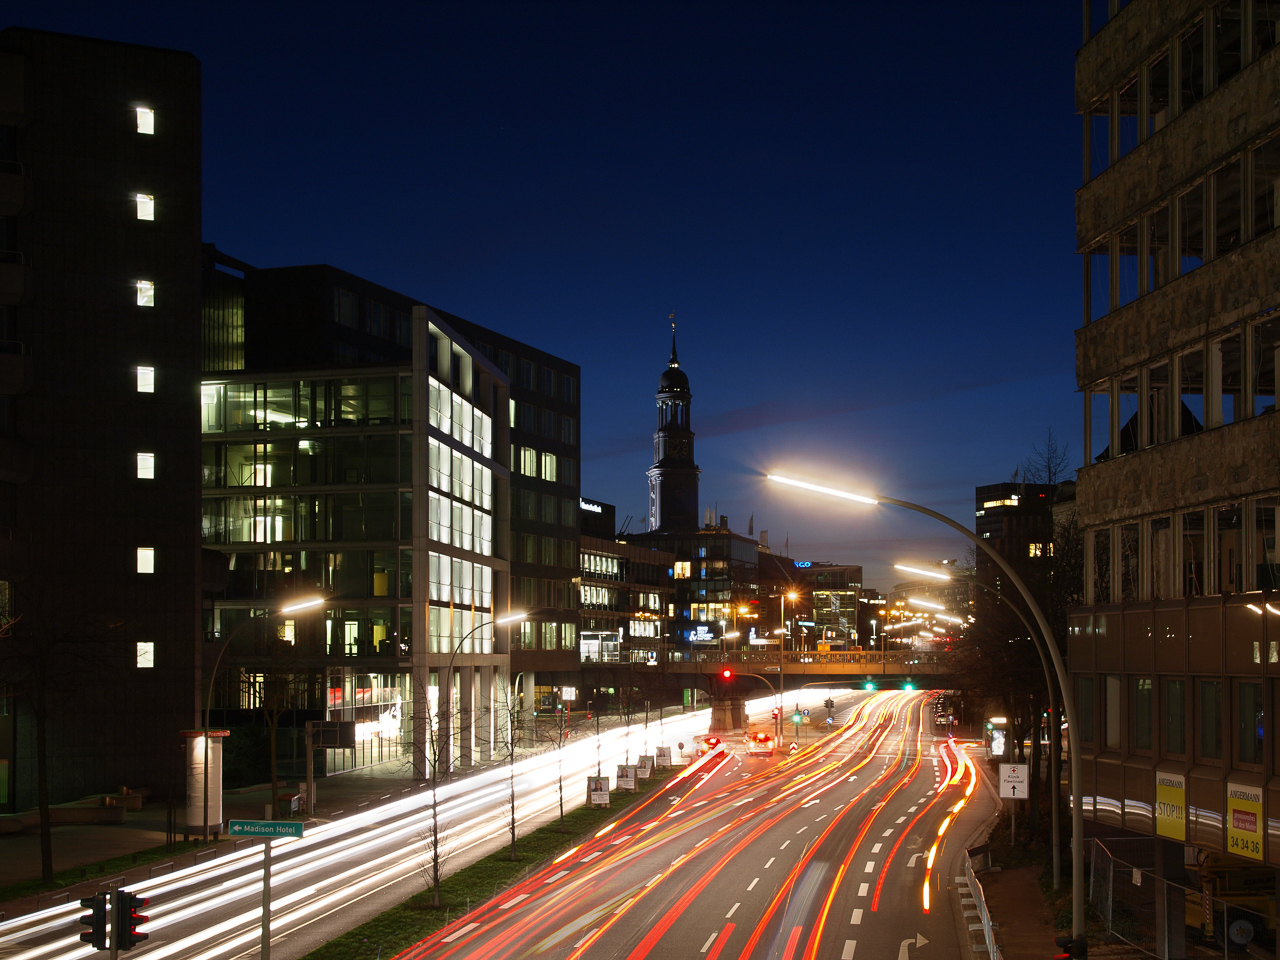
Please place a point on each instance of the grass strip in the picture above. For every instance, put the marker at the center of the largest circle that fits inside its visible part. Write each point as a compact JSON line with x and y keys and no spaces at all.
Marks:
{"x":107,"y":868}
{"x":415,"y":919}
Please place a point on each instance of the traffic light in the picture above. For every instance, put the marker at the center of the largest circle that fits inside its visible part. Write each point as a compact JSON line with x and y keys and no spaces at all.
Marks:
{"x":126,"y":920}
{"x":95,"y":920}
{"x":776,"y":711}
{"x":727,"y":673}
{"x":908,"y":686}
{"x":868,"y":685}
{"x":1073,"y":949}
{"x":795,"y":717}
{"x":829,"y":703}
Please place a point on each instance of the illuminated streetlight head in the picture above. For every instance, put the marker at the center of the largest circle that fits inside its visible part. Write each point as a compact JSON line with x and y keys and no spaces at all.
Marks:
{"x":827,"y":490}
{"x":792,"y":595}
{"x":924,"y":573}
{"x":513,"y":617}
{"x":302,"y":605}
{"x":925,"y":603}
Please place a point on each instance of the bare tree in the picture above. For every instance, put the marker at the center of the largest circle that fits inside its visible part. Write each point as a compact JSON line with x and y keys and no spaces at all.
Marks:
{"x":1048,"y":462}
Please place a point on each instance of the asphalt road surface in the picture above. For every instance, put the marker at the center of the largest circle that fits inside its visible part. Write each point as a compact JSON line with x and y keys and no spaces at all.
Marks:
{"x":839,"y":850}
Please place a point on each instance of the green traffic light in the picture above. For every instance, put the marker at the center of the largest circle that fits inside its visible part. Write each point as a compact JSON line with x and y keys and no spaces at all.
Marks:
{"x":909,"y":686}
{"x":868,"y":686}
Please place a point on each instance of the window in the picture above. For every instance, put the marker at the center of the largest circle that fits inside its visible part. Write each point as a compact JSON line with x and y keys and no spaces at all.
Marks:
{"x":1191,"y":373}
{"x":1159,"y":405}
{"x":1098,"y":265}
{"x":1098,"y":136}
{"x":146,"y":120}
{"x":1264,"y":344}
{"x":146,"y":559}
{"x":146,"y":206}
{"x":548,"y":551}
{"x":1160,"y":268}
{"x":1266,"y":25}
{"x":1266,"y":569}
{"x":1098,"y":429}
{"x":528,"y":462}
{"x":1127,"y":265}
{"x":1227,"y":40}
{"x":549,"y":467}
{"x":1227,"y":212}
{"x":1191,"y":229}
{"x":146,"y":466}
{"x":527,"y":641}
{"x":1084,"y":704}
{"x":1193,"y":571}
{"x":549,"y":504}
{"x":1127,"y":128}
{"x":1035,"y":549}
{"x":1191,"y":69}
{"x":146,"y":293}
{"x":1175,"y":717}
{"x":146,"y":379}
{"x":1157,"y":93}
{"x":1102,"y":566}
{"x":1129,"y":561}
{"x":1249,"y":716}
{"x":1141,"y":709}
{"x":569,"y":389}
{"x":1111,"y":715}
{"x":1211,"y":719}
{"x":1226,"y":357}
{"x":1161,"y":546}
{"x":682,"y":570}
{"x":568,"y":430}
{"x":345,"y":307}
{"x":145,"y":652}
{"x":1228,"y":521}
{"x":1266,"y":179}
{"x":548,"y":382}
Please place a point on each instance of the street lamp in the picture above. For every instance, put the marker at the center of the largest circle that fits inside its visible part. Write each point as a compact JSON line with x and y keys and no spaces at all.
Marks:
{"x":1073,"y":729}
{"x":208,"y":701}
{"x":441,"y":715}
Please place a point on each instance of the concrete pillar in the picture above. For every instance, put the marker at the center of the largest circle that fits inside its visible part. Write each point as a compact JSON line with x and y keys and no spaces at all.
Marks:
{"x":728,"y":715}
{"x":466,"y":716}
{"x":485,"y":727}
{"x":444,"y":733}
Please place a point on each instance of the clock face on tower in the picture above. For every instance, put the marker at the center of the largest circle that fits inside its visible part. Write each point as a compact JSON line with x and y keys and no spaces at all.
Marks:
{"x":678,"y":449}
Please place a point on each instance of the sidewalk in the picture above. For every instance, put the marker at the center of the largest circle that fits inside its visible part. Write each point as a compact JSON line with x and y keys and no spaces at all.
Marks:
{"x":82,"y":845}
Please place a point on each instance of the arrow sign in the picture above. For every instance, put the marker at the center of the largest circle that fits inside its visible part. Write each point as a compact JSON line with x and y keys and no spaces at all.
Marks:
{"x":914,"y":857}
{"x":1013,"y":780}
{"x":919,"y":941}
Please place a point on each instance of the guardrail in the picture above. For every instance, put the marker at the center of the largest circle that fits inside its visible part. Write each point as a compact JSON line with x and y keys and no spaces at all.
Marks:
{"x":979,"y":905}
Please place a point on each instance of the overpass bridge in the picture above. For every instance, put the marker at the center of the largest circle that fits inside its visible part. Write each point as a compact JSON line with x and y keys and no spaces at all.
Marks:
{"x":817,"y":664}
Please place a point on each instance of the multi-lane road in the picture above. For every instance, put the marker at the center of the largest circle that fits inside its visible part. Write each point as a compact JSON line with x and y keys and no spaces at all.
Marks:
{"x":837,"y":851}
{"x":821,"y":853}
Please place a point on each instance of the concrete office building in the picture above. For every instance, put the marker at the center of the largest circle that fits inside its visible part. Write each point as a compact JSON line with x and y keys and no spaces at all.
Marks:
{"x":1173,"y":655}
{"x":100,"y":558}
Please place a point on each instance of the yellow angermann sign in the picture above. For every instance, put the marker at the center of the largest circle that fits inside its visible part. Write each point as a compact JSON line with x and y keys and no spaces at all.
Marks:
{"x":1171,"y":805}
{"x":1244,"y":820}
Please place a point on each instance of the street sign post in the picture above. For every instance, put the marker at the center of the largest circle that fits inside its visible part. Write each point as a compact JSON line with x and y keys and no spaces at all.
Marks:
{"x":1013,"y":786}
{"x":268,"y":830}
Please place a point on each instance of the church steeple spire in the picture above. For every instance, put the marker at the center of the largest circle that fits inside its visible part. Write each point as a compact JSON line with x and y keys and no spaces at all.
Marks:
{"x":673,"y":478}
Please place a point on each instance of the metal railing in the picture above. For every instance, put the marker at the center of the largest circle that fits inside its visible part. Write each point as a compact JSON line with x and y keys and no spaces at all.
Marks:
{"x":1163,"y":917}
{"x":979,"y":907}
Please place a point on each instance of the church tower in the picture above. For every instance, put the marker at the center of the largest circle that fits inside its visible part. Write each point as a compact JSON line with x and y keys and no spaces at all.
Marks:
{"x":673,"y":478}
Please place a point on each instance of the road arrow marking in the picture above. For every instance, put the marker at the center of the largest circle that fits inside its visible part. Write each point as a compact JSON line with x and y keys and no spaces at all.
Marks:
{"x":919,"y":941}
{"x":914,"y":857}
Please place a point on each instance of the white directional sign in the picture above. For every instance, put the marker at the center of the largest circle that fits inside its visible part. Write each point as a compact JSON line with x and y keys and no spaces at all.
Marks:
{"x":1014,"y":778}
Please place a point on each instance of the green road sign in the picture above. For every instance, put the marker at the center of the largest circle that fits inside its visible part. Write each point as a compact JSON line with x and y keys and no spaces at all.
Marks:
{"x":265,"y":828}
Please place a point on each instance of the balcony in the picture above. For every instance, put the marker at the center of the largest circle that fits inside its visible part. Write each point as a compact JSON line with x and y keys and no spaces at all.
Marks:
{"x":14,"y":279}
{"x":15,"y":190}
{"x":15,"y":460}
{"x":15,"y":368}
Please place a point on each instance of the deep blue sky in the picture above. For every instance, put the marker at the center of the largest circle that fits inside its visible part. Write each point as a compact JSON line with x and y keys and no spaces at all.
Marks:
{"x":860,"y":213}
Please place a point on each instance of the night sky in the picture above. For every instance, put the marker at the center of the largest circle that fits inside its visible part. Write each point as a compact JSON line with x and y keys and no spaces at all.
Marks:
{"x":861,"y":215}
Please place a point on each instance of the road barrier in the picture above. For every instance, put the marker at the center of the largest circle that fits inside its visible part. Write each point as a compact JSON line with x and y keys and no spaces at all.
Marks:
{"x":975,"y":904}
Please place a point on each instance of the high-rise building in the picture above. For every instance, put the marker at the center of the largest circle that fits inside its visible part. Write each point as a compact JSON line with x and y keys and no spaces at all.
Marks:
{"x":546,"y":450}
{"x":100,"y":269}
{"x":1174,"y":655}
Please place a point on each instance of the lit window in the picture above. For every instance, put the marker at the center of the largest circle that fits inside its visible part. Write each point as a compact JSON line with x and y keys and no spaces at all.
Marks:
{"x":146,"y":120}
{"x":683,"y":570}
{"x":146,"y":206}
{"x":146,"y":379}
{"x":1035,"y":549}
{"x":549,"y":466}
{"x":146,"y":466}
{"x":287,"y":632}
{"x":146,"y":559}
{"x":146,"y":655}
{"x":1010,"y":502}
{"x":146,"y":293}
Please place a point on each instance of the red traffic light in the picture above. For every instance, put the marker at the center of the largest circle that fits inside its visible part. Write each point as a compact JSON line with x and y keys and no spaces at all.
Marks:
{"x":727,"y":673}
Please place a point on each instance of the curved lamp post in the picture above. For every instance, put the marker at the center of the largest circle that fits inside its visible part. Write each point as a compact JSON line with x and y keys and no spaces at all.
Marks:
{"x":441,"y":714}
{"x":1069,"y":709}
{"x":213,"y":675}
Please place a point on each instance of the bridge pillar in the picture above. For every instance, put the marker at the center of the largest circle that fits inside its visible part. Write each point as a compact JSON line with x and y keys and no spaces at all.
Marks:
{"x":728,"y":714}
